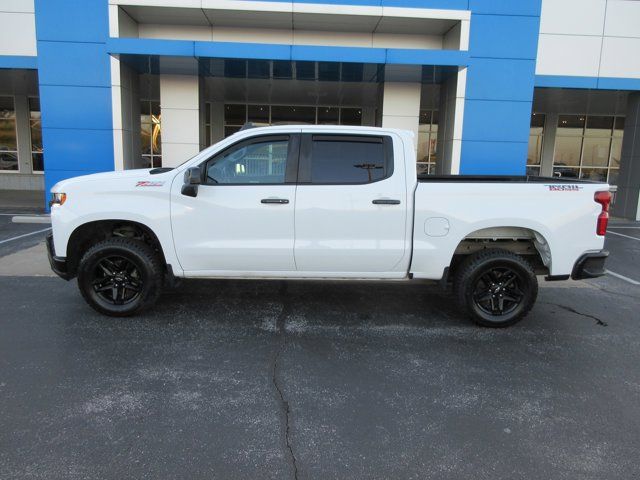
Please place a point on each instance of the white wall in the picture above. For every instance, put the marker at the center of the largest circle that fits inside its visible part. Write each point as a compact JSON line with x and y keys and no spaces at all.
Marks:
{"x":17,"y":28}
{"x":592,"y":38}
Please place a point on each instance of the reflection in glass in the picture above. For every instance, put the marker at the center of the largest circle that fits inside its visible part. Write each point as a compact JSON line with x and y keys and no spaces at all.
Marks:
{"x":599,"y":126}
{"x":566,"y":172}
{"x":350,"y":116}
{"x":567,"y":151}
{"x":572,"y":125}
{"x":235,"y":114}
{"x":595,"y":152}
{"x":258,"y":113}
{"x":595,"y":174}
{"x":8,"y":160}
{"x":616,"y":152}
{"x":327,"y":116}
{"x":35,"y":128}
{"x":534,"y":154}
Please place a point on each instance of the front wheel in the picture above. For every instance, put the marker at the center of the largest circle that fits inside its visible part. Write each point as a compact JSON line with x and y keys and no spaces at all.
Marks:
{"x":120,"y":276}
{"x":496,"y":287}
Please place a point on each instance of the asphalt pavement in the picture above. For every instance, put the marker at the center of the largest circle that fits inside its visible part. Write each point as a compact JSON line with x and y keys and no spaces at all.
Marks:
{"x":229,"y":379}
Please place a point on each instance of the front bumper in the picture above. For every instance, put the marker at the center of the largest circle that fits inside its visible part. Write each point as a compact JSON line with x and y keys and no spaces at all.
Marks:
{"x":590,"y":265}
{"x":58,"y":264}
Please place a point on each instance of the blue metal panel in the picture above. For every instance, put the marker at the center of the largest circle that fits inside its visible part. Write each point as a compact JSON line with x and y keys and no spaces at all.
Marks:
{"x":76,"y":107}
{"x":242,"y":50}
{"x":53,"y":71}
{"x":444,"y":4}
{"x":506,"y":7}
{"x":504,"y":36}
{"x":72,"y":20}
{"x":148,"y":46}
{"x":427,"y":57}
{"x":338,"y":54}
{"x":501,"y":79}
{"x":75,"y":87}
{"x":605,"y":83}
{"x":494,"y":158}
{"x":497,"y":121}
{"x":18,"y":61}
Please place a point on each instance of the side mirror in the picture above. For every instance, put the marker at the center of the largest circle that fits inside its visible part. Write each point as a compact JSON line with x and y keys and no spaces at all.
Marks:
{"x":192,"y":178}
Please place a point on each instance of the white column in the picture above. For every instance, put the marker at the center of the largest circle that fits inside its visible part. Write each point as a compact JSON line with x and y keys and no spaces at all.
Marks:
{"x":179,"y":105}
{"x":401,"y":98}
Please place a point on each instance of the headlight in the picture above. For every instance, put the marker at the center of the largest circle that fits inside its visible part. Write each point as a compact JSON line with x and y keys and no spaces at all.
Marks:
{"x":58,"y":199}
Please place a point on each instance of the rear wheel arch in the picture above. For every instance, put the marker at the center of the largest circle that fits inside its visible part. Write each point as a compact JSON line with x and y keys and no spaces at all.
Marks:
{"x":524,"y":241}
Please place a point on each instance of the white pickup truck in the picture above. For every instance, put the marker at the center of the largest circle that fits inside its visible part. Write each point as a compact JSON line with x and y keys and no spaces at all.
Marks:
{"x":324,"y":202}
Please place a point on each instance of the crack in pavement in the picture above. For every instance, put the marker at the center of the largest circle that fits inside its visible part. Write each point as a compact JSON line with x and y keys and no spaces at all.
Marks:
{"x":600,"y":322}
{"x":284,"y":404}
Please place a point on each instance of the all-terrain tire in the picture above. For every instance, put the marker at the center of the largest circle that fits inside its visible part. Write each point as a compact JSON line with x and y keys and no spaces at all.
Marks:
{"x":485,"y":280}
{"x":129,"y":265}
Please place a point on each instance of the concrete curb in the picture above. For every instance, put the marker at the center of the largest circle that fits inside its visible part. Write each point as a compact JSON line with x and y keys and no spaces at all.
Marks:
{"x":31,"y":219}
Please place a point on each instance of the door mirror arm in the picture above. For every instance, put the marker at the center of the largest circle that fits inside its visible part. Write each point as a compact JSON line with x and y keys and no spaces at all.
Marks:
{"x":192,"y":178}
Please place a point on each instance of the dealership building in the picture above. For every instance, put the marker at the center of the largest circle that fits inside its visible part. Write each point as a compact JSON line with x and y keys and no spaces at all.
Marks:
{"x":543,"y":87}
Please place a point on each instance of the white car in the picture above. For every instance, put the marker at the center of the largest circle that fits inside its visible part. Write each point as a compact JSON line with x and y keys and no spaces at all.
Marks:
{"x":324,"y":202}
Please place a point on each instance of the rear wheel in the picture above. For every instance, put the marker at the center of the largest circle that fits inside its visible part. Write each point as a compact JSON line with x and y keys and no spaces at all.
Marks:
{"x":120,"y":276}
{"x":496,"y":287}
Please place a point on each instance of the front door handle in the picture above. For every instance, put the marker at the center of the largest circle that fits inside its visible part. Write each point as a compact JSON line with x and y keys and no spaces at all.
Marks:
{"x":386,"y":201}
{"x":277,"y":201}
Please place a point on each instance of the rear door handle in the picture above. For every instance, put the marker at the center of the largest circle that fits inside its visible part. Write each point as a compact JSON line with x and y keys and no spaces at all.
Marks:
{"x":278,"y":201}
{"x":386,"y":201}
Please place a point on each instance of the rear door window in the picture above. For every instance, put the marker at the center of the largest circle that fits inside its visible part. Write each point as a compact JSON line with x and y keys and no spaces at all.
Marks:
{"x":347,"y":159}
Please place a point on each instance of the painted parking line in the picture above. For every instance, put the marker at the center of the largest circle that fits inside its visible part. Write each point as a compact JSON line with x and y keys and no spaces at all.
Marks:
{"x":622,"y":277}
{"x":25,"y":235}
{"x":625,"y":236}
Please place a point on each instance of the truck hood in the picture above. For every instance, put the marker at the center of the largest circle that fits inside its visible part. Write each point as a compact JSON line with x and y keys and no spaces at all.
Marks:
{"x":124,"y":178}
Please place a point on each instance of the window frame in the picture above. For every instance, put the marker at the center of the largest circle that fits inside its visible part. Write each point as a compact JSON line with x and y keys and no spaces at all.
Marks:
{"x":291,"y":167}
{"x":304,"y":169}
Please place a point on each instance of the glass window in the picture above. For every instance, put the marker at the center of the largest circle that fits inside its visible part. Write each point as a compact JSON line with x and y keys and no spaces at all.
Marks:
{"x":282,"y":69}
{"x":536,"y":136}
{"x":258,"y":113}
{"x":571,"y":125}
{"x":8,"y":136}
{"x":328,"y":116}
{"x":588,"y":146}
{"x":599,"y":126}
{"x":595,"y":151}
{"x":35,"y":126}
{"x":151,"y":133}
{"x":567,"y":151}
{"x":350,"y":116}
{"x":293,"y":114}
{"x":261,"y":162}
{"x":334,"y":160}
{"x":352,"y":72}
{"x":235,"y":115}
{"x":306,"y":70}
{"x":427,"y":141}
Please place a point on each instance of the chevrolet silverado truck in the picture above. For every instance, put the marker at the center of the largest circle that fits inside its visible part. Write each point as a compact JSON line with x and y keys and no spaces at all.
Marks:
{"x":325,"y":203}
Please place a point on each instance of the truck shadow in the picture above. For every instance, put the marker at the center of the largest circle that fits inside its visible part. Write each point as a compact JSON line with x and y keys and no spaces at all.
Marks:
{"x":305,"y":304}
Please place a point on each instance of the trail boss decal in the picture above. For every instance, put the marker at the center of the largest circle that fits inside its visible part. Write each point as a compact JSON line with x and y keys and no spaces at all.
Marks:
{"x":564,"y":188}
{"x":149,"y":184}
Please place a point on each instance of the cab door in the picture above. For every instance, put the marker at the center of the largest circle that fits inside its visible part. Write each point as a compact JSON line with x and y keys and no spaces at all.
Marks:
{"x":351,"y":206}
{"x":241,"y":223}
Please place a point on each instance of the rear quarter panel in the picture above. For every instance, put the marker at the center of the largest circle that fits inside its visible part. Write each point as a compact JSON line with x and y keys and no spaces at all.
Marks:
{"x":565,"y":217}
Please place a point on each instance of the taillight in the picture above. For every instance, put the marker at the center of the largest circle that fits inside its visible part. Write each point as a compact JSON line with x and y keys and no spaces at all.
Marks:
{"x":604,"y":199}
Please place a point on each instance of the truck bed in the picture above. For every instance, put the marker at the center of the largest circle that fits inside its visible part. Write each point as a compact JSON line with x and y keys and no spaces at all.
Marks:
{"x":500,"y":178}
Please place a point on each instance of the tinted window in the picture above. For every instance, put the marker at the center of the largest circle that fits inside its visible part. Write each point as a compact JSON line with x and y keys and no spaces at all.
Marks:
{"x":256,"y":162}
{"x":334,"y":160}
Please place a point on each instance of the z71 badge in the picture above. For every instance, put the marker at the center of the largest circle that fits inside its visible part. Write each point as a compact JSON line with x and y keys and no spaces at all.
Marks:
{"x":149,"y":184}
{"x":564,"y":188}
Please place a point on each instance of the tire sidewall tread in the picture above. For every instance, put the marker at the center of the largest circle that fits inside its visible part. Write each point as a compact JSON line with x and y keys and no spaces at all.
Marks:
{"x":474,"y":265}
{"x":141,"y":253}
